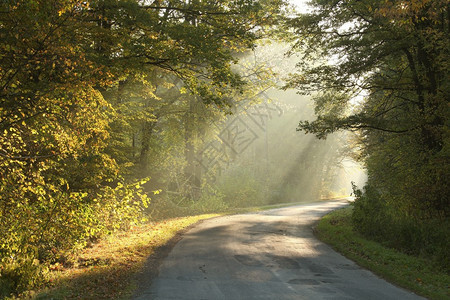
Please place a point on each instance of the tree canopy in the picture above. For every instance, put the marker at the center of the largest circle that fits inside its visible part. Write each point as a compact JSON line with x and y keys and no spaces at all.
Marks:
{"x":381,"y":69}
{"x":98,"y":96}
{"x":82,"y":83}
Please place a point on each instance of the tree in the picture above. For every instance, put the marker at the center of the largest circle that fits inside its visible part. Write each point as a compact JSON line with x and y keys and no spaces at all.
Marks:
{"x":63,"y":67}
{"x":390,"y":46}
{"x":393,"y":58}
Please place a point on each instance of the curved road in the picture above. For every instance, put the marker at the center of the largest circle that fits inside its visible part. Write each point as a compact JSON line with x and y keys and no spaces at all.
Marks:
{"x":267,"y":255}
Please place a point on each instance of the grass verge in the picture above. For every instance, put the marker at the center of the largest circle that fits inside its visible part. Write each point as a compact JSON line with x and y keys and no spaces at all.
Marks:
{"x":108,"y":269}
{"x":417,"y":274}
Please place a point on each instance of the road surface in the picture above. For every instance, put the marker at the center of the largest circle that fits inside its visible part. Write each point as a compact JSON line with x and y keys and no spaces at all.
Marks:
{"x":267,"y":255}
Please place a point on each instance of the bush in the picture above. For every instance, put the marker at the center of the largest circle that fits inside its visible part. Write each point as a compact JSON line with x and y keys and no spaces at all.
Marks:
{"x":43,"y":229}
{"x":241,"y":189}
{"x":374,"y":218}
{"x":369,"y":213}
{"x":19,"y":274}
{"x":210,"y":202}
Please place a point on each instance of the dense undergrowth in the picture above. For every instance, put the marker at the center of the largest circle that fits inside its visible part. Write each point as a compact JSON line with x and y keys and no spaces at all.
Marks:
{"x":419,"y":273}
{"x":378,"y":220}
{"x":99,"y":267}
{"x":107,"y":268}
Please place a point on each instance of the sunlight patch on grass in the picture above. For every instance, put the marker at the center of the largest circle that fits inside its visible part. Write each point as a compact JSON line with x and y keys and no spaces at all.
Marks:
{"x":106,"y":269}
{"x":417,"y":274}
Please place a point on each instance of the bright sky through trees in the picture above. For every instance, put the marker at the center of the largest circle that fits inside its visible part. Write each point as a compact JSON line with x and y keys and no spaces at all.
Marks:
{"x":105,"y":104}
{"x":301,"y":5}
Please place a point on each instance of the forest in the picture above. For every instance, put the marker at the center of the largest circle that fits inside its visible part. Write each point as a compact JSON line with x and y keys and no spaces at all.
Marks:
{"x":116,"y":112}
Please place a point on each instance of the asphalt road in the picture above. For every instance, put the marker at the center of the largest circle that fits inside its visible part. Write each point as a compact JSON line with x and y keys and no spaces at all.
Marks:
{"x":267,"y":255}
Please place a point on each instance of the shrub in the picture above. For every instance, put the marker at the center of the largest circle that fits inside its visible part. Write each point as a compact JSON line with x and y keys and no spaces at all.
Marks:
{"x":210,"y":201}
{"x":369,"y":213}
{"x":376,"y":219}
{"x":44,"y":228}
{"x":241,"y":189}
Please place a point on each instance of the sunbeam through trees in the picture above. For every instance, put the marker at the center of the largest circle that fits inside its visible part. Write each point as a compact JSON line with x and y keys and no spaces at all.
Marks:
{"x":115,"y":112}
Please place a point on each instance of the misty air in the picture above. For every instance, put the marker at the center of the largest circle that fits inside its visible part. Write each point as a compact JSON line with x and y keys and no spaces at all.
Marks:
{"x":249,"y":149}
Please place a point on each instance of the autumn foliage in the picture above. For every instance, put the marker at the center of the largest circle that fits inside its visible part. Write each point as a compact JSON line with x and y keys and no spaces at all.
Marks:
{"x":66,"y":172}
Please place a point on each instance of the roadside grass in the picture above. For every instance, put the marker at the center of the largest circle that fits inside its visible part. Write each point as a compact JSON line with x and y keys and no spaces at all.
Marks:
{"x":107,"y":269}
{"x":417,"y":274}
